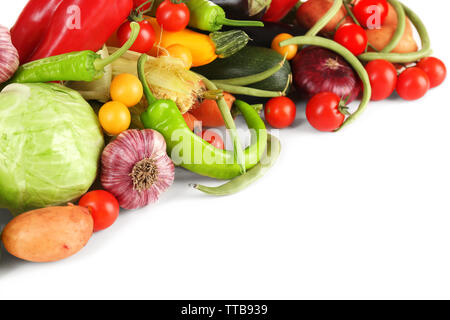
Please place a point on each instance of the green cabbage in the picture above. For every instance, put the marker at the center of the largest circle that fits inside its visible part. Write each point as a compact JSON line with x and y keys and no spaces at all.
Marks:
{"x":50,"y":145}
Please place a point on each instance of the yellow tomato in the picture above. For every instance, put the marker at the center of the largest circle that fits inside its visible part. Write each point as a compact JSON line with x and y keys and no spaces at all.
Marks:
{"x":180,"y":52}
{"x":290,"y":51}
{"x":126,"y":88}
{"x":114,"y":117}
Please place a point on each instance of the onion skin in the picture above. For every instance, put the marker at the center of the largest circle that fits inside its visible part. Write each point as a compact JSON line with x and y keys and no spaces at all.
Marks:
{"x":319,"y":70}
{"x":9,"y":57}
{"x":123,"y":154}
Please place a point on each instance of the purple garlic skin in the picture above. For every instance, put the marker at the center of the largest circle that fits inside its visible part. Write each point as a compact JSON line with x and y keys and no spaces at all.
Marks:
{"x":136,"y":168}
{"x":9,"y":57}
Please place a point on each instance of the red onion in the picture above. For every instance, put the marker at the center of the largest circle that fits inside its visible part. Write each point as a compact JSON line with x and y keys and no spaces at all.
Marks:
{"x":9,"y":57}
{"x":136,"y":168}
{"x":319,"y":70}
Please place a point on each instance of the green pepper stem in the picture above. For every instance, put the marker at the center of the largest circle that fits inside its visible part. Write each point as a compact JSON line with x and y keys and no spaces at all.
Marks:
{"x":238,"y":23}
{"x":141,"y":73}
{"x":351,"y":59}
{"x":100,"y":64}
{"x":244,"y":81}
{"x":230,"y":125}
{"x":405,"y":57}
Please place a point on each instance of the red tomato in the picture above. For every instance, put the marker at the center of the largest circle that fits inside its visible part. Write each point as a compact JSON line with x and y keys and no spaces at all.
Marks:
{"x":208,"y":111}
{"x":103,"y":206}
{"x":213,"y":138}
{"x":322,"y":112}
{"x":371,"y":14}
{"x":353,"y":37}
{"x":280,"y":112}
{"x":190,"y":120}
{"x":145,"y":40}
{"x":413,"y":84}
{"x":383,"y":78}
{"x":435,"y":69}
{"x":172,"y":17}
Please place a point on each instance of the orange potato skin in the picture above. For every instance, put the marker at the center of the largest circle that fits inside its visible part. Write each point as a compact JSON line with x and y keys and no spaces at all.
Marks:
{"x":48,"y":234}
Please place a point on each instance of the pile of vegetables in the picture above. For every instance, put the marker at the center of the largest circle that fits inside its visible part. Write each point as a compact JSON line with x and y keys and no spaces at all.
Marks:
{"x":139,"y":81}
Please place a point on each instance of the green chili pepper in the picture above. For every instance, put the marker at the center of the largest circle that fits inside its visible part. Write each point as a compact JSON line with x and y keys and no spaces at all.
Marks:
{"x":74,"y":66}
{"x":243,"y":181}
{"x":351,"y":59}
{"x":405,"y":57}
{"x":208,"y":16}
{"x":189,"y":150}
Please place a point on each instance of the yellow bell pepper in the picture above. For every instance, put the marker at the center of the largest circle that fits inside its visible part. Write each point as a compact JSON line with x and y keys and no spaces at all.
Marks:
{"x":202,"y":48}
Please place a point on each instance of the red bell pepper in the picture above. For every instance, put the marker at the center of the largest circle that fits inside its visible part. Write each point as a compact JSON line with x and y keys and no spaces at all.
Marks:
{"x":278,"y":10}
{"x":78,"y":25}
{"x":26,"y":34}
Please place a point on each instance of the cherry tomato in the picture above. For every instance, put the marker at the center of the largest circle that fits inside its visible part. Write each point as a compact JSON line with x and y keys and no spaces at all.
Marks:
{"x":353,"y":37}
{"x":180,"y":52}
{"x":290,"y":51}
{"x":371,"y":14}
{"x":126,"y":88}
{"x":280,"y":112}
{"x":322,"y":112}
{"x":413,"y":84}
{"x":213,"y":138}
{"x":172,"y":16}
{"x":383,"y":78}
{"x":145,"y":40}
{"x":103,"y":206}
{"x":435,"y":69}
{"x":114,"y":117}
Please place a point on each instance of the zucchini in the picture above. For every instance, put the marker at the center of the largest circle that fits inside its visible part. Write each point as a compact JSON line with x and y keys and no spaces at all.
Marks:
{"x":248,"y":61}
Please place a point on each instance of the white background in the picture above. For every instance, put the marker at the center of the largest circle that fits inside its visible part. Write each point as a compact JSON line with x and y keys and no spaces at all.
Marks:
{"x":363,"y":213}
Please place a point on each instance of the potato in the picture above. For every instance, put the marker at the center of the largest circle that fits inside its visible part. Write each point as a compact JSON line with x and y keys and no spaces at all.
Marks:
{"x":48,"y":234}
{"x":311,"y":11}
{"x":379,"y":38}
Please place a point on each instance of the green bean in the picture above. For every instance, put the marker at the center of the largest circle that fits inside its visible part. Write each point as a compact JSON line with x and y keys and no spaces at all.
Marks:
{"x":326,"y":18}
{"x":349,"y":57}
{"x":248,"y":91}
{"x":405,"y":57}
{"x":241,"y":182}
{"x":230,"y":125}
{"x":244,"y":81}
{"x":401,"y":24}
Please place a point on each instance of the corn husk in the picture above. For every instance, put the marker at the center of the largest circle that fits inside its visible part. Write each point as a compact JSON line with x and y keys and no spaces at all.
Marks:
{"x":167,"y":78}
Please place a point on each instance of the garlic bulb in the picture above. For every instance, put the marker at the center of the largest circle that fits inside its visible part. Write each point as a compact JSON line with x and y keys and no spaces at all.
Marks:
{"x":9,"y":57}
{"x":136,"y":168}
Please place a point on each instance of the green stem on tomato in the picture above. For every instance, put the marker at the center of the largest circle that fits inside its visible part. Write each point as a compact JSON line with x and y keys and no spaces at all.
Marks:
{"x":229,"y":123}
{"x":405,"y":57}
{"x":349,"y":57}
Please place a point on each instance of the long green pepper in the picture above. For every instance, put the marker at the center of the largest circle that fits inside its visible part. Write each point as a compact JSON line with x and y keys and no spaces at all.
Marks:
{"x":74,"y":66}
{"x":189,"y":150}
